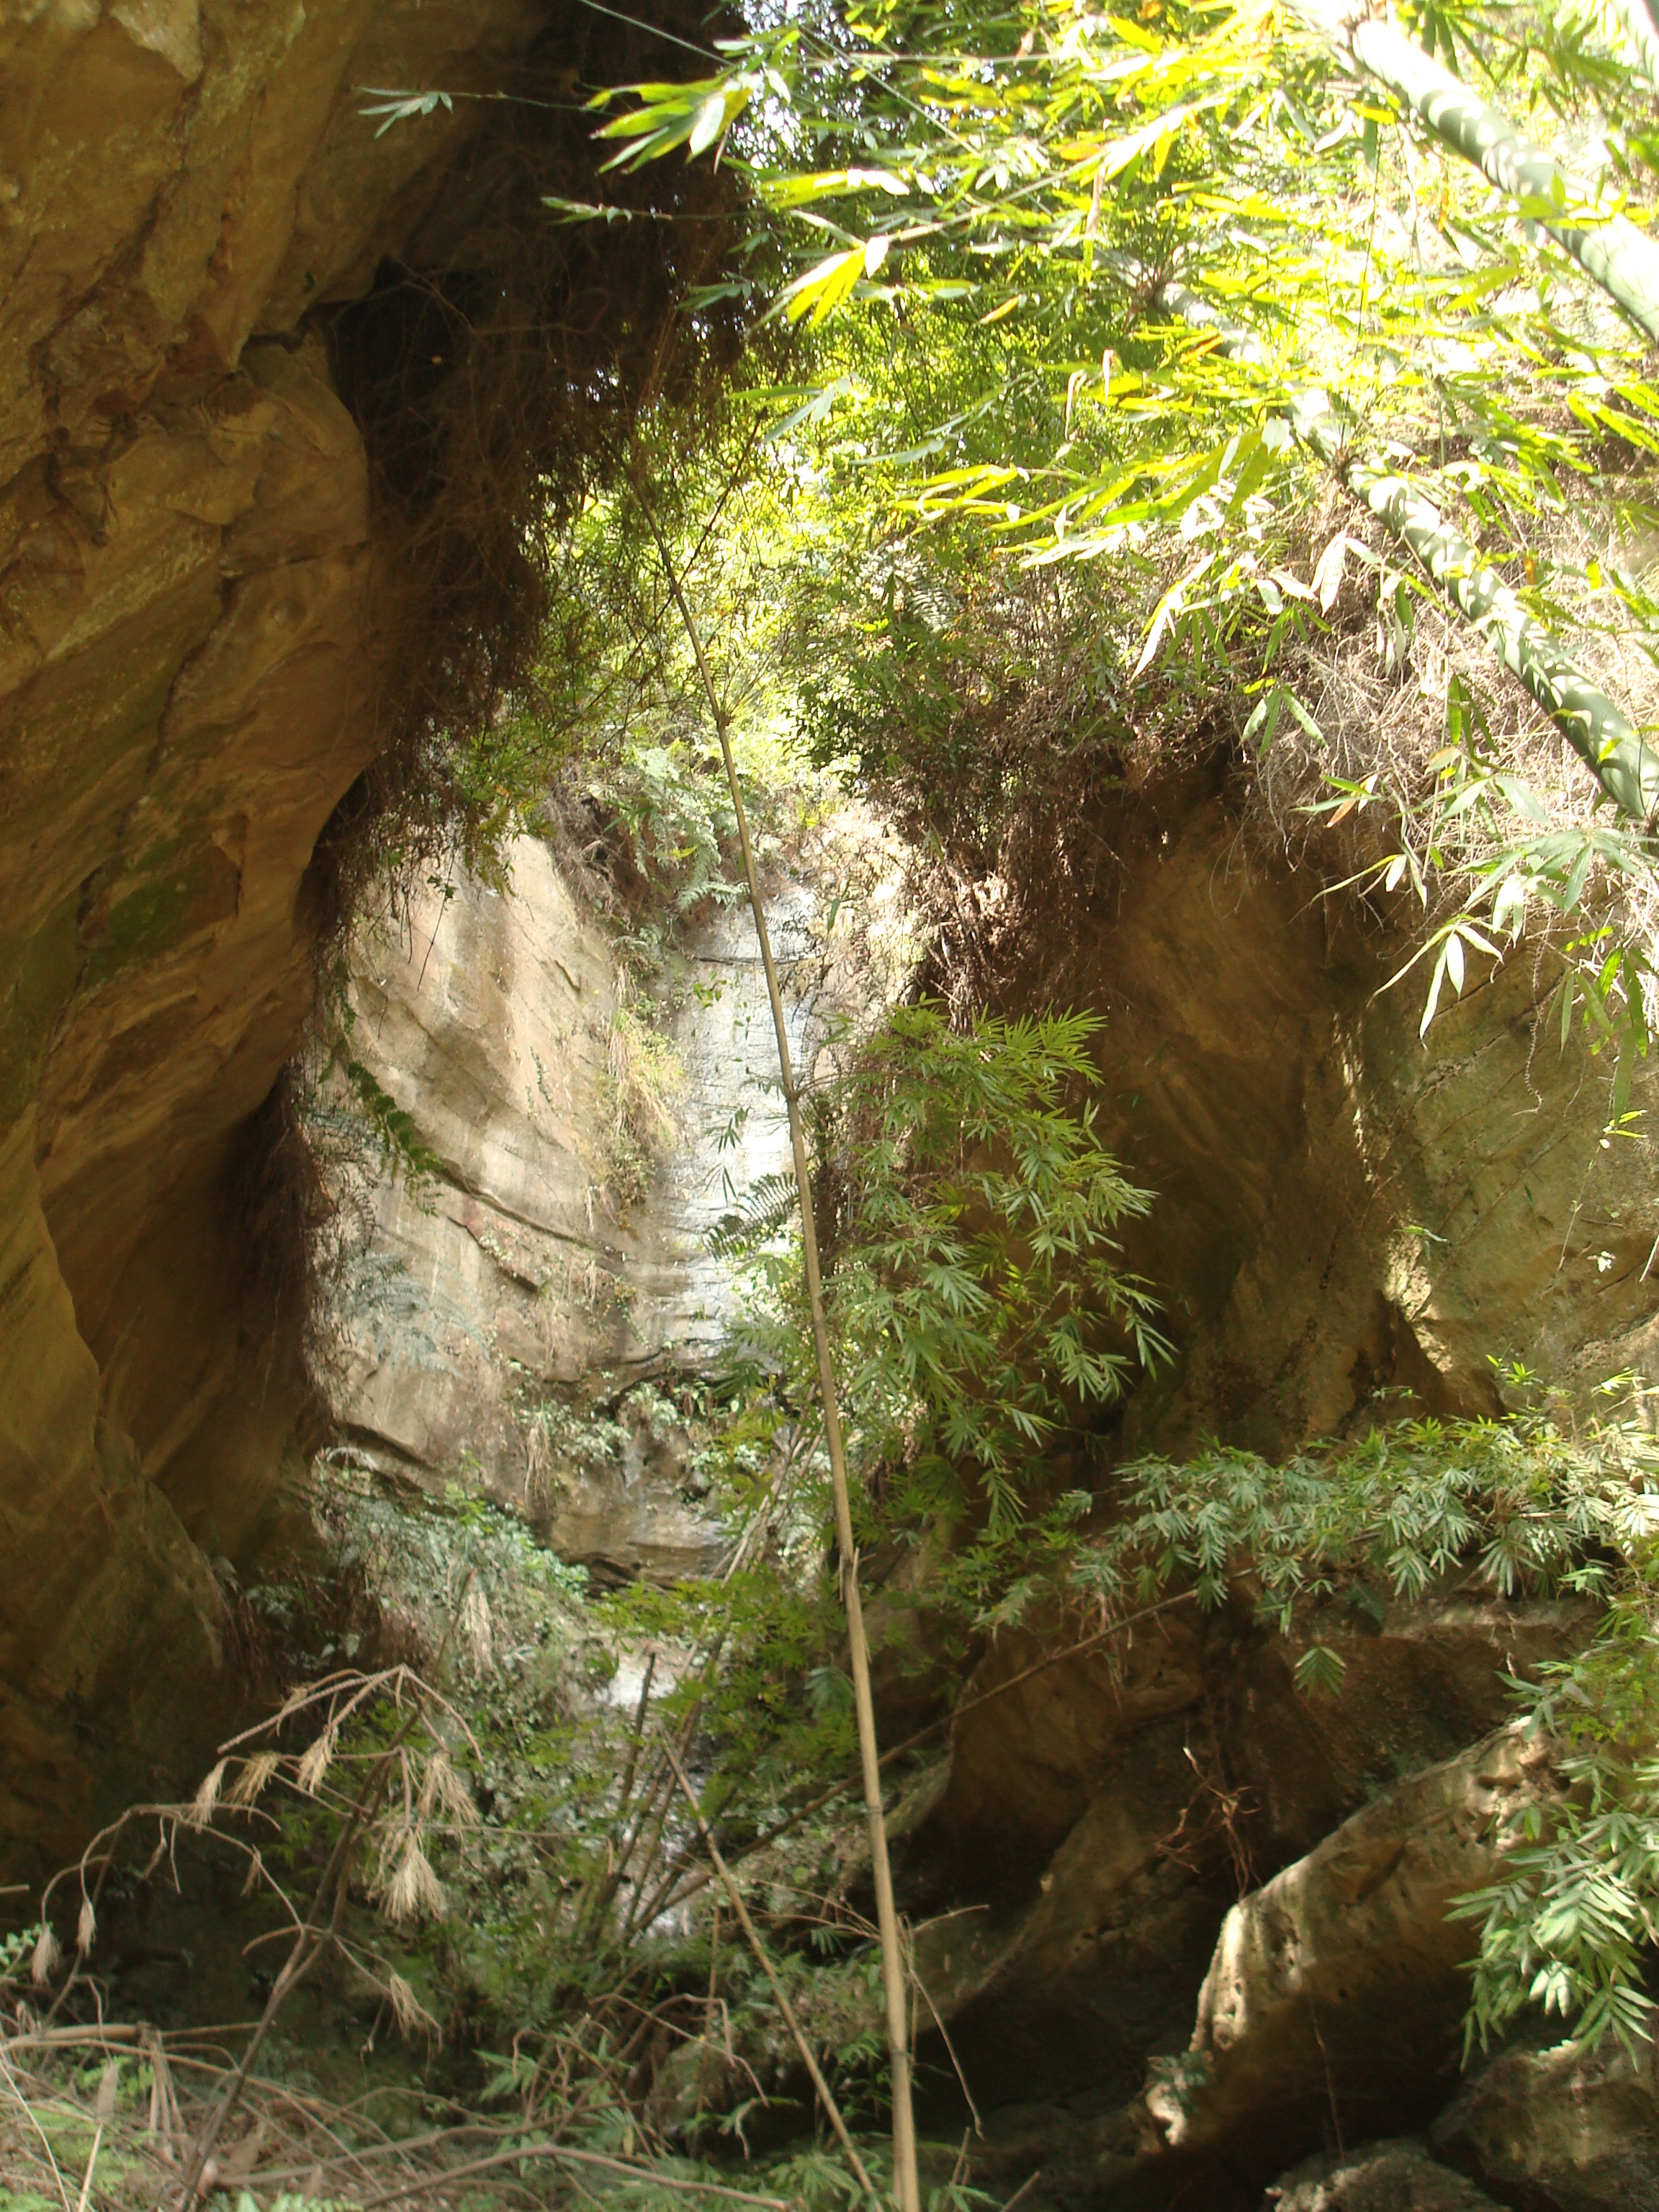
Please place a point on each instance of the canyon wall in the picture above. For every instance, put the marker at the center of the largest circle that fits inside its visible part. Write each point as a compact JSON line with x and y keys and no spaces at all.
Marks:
{"x":196,"y":567}
{"x":196,"y":570}
{"x":544,"y":1264}
{"x":555,"y":1259}
{"x":1349,"y":1224}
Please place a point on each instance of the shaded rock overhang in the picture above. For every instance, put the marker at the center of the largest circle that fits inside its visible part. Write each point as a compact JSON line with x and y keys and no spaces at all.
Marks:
{"x":209,"y":525}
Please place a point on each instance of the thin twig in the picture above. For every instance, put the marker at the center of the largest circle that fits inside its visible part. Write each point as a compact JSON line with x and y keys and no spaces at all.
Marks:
{"x":892,"y":1956}
{"x":832,"y":2109}
{"x":560,"y":2153}
{"x":949,"y":2048}
{"x":28,"y":2114}
{"x":315,"y":1939}
{"x":705,"y":1875}
{"x":1330,"y":2086}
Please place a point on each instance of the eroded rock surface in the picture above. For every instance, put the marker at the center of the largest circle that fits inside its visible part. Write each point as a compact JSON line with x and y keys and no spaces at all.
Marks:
{"x":1101,"y":1813}
{"x":1382,"y":2177}
{"x":523,"y":1279}
{"x":1560,"y":2131}
{"x":192,"y":587}
{"x":1337,"y":1988}
{"x":1342,"y":1207}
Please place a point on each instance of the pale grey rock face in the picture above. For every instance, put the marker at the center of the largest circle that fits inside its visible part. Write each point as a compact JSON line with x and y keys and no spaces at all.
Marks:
{"x":518,"y":1273}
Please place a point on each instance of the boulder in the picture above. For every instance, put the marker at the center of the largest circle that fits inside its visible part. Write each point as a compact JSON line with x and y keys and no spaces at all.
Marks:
{"x":1379,"y":2176}
{"x":1561,"y":2130}
{"x":1336,"y":1992}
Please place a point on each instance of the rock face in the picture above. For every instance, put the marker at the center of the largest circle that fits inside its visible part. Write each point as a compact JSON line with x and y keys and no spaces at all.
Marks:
{"x":1349,"y":1224}
{"x":1343,"y":1207}
{"x":1087,"y":1836}
{"x":1084,"y":1850}
{"x":191,"y":571}
{"x":1336,"y":1986}
{"x":548,"y":1268}
{"x":497,"y":1022}
{"x":1561,"y":2130}
{"x":1384,"y":2177}
{"x":195,"y":563}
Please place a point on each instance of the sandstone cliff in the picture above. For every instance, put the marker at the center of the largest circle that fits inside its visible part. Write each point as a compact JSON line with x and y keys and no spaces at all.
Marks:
{"x":217,"y":281}
{"x":1348,"y":1224}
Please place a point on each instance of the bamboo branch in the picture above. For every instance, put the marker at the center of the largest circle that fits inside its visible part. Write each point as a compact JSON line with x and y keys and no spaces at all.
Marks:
{"x":832,"y":2109}
{"x":1641,"y":27}
{"x":1622,"y":761}
{"x":892,"y":1956}
{"x":1622,"y":259}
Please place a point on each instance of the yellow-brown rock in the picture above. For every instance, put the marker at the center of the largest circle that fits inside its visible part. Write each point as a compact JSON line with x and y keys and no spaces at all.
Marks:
{"x":191,"y":570}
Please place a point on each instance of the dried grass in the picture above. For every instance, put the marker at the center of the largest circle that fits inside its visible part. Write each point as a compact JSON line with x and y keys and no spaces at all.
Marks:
{"x":1383,"y":712}
{"x":1023,"y":813}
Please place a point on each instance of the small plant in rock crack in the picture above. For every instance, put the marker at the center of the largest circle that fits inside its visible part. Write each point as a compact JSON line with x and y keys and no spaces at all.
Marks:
{"x":643,"y":1079}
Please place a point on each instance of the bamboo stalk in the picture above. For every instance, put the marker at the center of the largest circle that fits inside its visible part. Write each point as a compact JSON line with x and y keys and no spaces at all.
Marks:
{"x":892,"y":1956}
{"x":832,"y":2109}
{"x":1622,"y":761}
{"x":1622,"y":259}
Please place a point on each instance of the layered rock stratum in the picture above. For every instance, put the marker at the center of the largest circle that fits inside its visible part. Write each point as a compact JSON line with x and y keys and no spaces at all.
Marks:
{"x":199,"y":570}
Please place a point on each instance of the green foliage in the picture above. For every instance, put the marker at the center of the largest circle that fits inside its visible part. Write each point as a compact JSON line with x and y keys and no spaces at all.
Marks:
{"x":393,"y":1128}
{"x":643,"y":1078}
{"x":288,"y":2200}
{"x":1537,"y":1501}
{"x":1573,"y":1924}
{"x":983,"y":210}
{"x":984,"y":1317}
{"x":1485,"y":841}
{"x":614,"y":732}
{"x":974,"y":1292}
{"x":15,"y":1949}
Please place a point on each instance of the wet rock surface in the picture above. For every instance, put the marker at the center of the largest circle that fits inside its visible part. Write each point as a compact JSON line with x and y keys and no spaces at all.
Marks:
{"x":519,"y":1280}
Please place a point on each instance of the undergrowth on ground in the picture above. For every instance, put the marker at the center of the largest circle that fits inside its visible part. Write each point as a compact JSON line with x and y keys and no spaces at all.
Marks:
{"x":528,"y":1901}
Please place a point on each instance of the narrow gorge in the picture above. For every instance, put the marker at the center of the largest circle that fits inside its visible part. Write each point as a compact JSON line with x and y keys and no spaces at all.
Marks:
{"x":1220,"y":1024}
